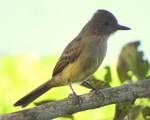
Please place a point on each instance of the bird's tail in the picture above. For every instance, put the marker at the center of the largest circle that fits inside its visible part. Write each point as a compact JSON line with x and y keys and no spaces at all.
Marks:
{"x":36,"y":93}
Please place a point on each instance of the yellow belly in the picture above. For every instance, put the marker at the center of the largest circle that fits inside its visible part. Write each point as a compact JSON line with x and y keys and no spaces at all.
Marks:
{"x":81,"y":69}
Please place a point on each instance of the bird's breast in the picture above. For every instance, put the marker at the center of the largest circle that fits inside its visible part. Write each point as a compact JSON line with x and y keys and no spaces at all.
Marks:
{"x":87,"y":63}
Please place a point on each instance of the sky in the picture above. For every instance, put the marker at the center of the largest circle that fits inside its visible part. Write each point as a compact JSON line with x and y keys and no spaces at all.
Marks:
{"x":45,"y":27}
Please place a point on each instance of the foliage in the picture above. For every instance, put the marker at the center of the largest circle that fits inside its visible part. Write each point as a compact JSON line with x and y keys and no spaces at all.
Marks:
{"x":131,"y":59}
{"x":22,"y":73}
{"x":146,"y":113}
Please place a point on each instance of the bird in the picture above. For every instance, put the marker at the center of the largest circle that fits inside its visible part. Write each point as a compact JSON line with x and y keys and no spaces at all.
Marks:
{"x":81,"y":57}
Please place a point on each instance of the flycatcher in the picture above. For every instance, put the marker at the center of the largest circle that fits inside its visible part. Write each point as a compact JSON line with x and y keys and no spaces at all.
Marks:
{"x":82,"y":56}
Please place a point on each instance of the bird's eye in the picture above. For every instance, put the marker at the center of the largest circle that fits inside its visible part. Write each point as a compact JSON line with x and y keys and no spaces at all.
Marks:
{"x":106,"y":23}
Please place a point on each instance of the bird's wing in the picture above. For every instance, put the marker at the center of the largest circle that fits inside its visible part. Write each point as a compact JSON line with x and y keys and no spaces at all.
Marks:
{"x":69,"y":55}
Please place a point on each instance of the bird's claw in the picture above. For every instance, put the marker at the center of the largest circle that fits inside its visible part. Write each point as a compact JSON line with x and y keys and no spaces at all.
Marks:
{"x":79,"y":100}
{"x":100,"y":94}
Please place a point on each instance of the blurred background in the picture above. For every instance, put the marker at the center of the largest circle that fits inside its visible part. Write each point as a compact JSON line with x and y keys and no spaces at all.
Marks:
{"x":33,"y":33}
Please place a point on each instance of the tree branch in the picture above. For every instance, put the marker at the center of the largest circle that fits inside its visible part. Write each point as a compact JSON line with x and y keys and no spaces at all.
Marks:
{"x":123,"y":93}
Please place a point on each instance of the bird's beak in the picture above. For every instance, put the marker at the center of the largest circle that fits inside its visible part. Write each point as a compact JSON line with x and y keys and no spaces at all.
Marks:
{"x":121,"y":27}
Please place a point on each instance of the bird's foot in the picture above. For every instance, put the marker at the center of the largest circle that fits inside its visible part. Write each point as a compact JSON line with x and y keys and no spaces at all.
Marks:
{"x":79,"y":100}
{"x":97,"y":91}
{"x":100,"y":94}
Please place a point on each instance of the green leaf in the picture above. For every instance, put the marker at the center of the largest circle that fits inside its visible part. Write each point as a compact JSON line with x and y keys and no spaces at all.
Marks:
{"x":99,"y":84}
{"x":131,"y":61}
{"x":134,"y":112}
{"x":108,"y":77}
{"x":122,"y":109}
{"x":146,"y":113}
